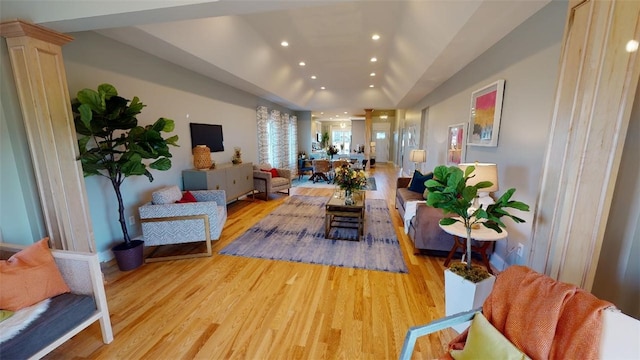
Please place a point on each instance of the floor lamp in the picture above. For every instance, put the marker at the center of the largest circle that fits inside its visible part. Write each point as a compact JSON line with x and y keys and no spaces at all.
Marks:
{"x":418,"y":156}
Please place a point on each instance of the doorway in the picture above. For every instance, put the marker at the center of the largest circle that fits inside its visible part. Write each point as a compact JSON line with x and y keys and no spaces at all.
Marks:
{"x":380,"y":136}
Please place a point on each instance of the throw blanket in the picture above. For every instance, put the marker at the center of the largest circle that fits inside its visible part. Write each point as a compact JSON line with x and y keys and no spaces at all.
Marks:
{"x":21,"y":319}
{"x":409,"y":213}
{"x":547,"y":319}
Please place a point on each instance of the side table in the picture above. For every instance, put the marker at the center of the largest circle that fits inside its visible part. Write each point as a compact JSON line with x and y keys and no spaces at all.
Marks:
{"x":485,"y":235}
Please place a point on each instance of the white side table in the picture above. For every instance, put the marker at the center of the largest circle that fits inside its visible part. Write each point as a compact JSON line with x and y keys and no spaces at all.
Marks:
{"x":485,"y":235}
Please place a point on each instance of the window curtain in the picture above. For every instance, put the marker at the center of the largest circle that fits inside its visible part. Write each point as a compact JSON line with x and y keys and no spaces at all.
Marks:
{"x":277,"y":138}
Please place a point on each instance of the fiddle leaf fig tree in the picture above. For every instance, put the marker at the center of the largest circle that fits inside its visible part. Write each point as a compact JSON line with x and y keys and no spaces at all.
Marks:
{"x":448,"y":190}
{"x":113,"y":145}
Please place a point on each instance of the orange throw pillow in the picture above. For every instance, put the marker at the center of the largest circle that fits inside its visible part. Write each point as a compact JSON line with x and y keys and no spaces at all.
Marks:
{"x":30,"y":276}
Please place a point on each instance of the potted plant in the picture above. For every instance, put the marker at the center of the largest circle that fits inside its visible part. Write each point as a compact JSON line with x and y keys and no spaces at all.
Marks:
{"x":114,"y":146}
{"x":448,"y":190}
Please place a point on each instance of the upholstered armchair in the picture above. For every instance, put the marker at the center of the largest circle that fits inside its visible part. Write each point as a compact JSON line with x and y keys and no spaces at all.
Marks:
{"x":269,"y":180}
{"x":166,"y":222}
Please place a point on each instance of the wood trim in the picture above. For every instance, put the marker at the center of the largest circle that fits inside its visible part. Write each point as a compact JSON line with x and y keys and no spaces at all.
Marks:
{"x":41,"y":86}
{"x":596,"y":87}
{"x":18,"y":28}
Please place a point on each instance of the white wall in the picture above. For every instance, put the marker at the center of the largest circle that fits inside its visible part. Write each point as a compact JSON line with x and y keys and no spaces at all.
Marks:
{"x":527,"y":59}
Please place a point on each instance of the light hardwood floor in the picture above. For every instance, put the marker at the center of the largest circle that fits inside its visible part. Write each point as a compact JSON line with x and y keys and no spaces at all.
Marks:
{"x":235,"y":307}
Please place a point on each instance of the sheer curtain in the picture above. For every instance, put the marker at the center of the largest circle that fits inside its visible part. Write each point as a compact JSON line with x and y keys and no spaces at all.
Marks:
{"x":277,"y":138}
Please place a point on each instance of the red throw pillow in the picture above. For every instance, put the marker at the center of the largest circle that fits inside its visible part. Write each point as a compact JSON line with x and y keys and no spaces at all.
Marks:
{"x":274,"y":173}
{"x":29,"y":277}
{"x":187,"y":197}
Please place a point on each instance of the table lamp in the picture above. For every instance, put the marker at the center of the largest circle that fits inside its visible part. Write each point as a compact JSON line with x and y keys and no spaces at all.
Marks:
{"x":418,"y":156}
{"x":483,"y":172}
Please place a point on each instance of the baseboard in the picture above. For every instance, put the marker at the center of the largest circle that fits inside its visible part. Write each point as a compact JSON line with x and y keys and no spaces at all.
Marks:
{"x":497,"y":262}
{"x":105,"y":256}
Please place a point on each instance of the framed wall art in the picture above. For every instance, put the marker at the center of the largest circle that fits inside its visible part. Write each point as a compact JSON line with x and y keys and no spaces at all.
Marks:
{"x":456,"y":144}
{"x":486,"y":110}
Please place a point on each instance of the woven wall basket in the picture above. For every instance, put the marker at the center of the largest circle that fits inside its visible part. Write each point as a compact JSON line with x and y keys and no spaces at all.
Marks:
{"x":201,"y":157}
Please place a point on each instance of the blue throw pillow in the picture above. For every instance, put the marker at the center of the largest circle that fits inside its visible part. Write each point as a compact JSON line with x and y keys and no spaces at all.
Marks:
{"x":417,"y":181}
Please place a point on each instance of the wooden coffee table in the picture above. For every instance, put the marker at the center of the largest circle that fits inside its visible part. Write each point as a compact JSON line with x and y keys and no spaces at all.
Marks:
{"x":339,"y":215}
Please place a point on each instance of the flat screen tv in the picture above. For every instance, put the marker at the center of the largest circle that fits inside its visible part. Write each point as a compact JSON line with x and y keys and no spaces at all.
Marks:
{"x":207,"y":134}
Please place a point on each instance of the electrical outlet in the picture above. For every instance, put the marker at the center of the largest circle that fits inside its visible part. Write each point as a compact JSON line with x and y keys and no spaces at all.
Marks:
{"x":520,"y":250}
{"x":132,"y":220}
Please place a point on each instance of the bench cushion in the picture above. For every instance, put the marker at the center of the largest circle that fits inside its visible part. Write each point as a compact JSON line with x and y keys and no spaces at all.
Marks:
{"x":65,"y":312}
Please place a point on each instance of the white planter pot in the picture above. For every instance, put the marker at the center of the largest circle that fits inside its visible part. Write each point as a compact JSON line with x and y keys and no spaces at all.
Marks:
{"x":463,"y":295}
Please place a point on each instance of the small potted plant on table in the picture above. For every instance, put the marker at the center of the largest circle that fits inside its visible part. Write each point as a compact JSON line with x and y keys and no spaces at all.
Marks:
{"x":450,"y":191}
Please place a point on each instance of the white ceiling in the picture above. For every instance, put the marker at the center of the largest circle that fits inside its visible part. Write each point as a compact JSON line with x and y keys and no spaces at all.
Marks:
{"x":423,"y":42}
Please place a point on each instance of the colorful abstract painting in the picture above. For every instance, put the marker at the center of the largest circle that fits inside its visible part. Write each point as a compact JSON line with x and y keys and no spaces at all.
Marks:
{"x":486,"y":111}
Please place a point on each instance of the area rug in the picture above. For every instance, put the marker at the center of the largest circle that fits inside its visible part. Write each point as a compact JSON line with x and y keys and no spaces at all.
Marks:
{"x":295,"y":232}
{"x":304,"y":182}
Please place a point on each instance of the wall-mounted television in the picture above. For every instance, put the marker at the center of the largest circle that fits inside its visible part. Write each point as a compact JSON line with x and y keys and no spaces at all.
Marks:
{"x":207,"y":134}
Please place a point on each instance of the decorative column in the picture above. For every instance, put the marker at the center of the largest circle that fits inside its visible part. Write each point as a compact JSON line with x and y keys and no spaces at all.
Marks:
{"x":41,"y":81}
{"x":596,"y":86}
{"x":368,"y":128}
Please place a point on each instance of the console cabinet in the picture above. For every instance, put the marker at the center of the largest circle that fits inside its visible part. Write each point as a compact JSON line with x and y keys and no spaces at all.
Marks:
{"x":235,"y":180}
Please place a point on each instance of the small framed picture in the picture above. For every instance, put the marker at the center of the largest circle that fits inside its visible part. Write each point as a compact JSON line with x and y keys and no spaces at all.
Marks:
{"x":456,"y":144}
{"x":486,"y":110}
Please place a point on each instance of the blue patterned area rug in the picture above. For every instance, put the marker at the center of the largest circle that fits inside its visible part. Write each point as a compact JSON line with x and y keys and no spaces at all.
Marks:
{"x":295,"y":232}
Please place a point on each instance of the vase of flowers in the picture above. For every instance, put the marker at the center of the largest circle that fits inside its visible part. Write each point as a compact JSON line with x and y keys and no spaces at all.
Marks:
{"x":350,"y":180}
{"x":237,"y":156}
{"x":332,"y":150}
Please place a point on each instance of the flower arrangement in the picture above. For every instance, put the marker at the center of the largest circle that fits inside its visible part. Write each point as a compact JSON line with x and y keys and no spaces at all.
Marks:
{"x":350,"y":179}
{"x":332,"y":150}
{"x":237,"y":155}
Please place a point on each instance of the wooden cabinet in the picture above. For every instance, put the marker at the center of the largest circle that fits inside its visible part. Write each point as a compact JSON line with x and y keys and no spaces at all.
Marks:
{"x":235,"y":180}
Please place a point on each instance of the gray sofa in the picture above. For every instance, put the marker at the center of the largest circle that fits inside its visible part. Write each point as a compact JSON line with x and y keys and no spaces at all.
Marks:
{"x":424,"y":231}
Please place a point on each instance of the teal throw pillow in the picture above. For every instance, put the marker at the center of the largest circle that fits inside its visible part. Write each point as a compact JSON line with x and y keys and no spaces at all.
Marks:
{"x":417,"y":181}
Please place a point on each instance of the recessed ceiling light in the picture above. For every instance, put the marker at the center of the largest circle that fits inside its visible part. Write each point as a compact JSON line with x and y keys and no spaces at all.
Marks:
{"x":632,"y":46}
{"x":302,"y":63}
{"x":314,"y":77}
{"x":375,"y":37}
{"x":284,"y":43}
{"x":321,"y":112}
{"x":373,"y":59}
{"x":371,"y":85}
{"x":345,"y":113}
{"x":337,"y":116}
{"x":372,"y":74}
{"x":322,"y":87}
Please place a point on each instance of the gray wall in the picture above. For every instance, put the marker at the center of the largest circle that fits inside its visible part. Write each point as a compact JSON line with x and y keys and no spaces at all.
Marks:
{"x":167,"y":90}
{"x":527,"y":59}
{"x":304,"y":131}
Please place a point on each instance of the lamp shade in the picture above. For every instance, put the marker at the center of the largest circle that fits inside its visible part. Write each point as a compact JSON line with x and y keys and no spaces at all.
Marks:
{"x":418,"y":156}
{"x":373,"y":143}
{"x":483,"y":172}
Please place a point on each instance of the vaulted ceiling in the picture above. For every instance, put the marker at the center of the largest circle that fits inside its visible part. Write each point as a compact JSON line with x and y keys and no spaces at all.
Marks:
{"x":422,"y":43}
